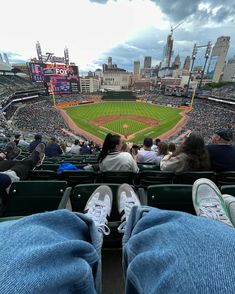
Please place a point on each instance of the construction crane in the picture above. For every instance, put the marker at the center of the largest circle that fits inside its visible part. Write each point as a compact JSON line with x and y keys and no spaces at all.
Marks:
{"x":169,"y":44}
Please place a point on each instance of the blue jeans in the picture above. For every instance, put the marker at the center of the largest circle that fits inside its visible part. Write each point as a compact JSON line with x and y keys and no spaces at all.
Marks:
{"x":163,"y":252}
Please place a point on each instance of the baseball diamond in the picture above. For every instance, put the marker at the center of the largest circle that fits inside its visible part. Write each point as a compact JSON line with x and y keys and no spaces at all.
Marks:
{"x":132,"y":120}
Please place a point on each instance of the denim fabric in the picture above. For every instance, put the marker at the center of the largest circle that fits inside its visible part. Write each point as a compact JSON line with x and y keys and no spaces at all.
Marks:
{"x":54,"y":252}
{"x":174,"y":252}
{"x":163,"y":252}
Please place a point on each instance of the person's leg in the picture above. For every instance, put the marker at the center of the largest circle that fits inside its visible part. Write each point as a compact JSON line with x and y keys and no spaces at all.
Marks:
{"x":55,"y":252}
{"x":174,"y":252}
{"x":23,"y":167}
{"x":6,"y":165}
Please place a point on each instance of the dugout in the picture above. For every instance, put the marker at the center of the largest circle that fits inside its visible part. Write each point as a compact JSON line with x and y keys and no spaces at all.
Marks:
{"x":119,"y":96}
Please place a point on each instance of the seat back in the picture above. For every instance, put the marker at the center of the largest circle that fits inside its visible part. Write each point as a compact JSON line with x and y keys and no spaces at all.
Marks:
{"x":29,"y":197}
{"x":78,"y":177}
{"x":145,"y":166}
{"x":42,"y":175}
{"x":171,"y":197}
{"x":147,"y":178}
{"x":191,"y":177}
{"x":81,"y":194}
{"x":226,"y":178}
{"x":51,"y":166}
{"x":117,"y":177}
{"x":228,"y":189}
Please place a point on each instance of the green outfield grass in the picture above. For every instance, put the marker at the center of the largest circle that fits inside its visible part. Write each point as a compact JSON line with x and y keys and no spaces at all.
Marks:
{"x":83,"y":114}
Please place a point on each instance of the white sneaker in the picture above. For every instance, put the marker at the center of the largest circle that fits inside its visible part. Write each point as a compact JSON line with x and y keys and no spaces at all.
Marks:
{"x":98,"y":208}
{"x":126,"y":199}
{"x":208,"y":201}
{"x":230,"y":204}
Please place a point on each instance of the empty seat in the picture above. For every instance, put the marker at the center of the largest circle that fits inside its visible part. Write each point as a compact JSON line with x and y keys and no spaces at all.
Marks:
{"x":147,"y":178}
{"x":42,"y":175}
{"x":145,"y":166}
{"x":228,"y":189}
{"x":226,"y":178}
{"x":191,"y":177}
{"x":78,"y":177}
{"x":29,"y":197}
{"x":118,"y":177}
{"x":172,"y":197}
{"x":52,"y":167}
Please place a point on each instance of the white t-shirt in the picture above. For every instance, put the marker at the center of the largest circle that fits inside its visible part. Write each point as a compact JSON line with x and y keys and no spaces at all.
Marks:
{"x":119,"y":161}
{"x":147,"y":156}
{"x":75,"y":149}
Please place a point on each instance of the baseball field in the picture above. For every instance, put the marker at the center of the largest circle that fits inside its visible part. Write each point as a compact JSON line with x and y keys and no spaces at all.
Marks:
{"x":132,"y":120}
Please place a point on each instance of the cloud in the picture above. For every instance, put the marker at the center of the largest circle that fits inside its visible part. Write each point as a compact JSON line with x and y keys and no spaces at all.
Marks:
{"x":198,"y":9}
{"x":100,"y":1}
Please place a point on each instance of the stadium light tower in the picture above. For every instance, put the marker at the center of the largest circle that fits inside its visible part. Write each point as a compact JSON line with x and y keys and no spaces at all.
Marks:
{"x":66,"y":55}
{"x":207,"y":55}
{"x":194,"y":54}
{"x":39,"y":51}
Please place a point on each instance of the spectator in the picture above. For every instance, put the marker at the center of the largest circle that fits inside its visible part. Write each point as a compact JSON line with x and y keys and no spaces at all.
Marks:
{"x":19,"y":142}
{"x":171,"y":148}
{"x":85,"y":149}
{"x":33,"y":144}
{"x":53,"y":148}
{"x":222,"y":152}
{"x":13,"y":170}
{"x":134,"y":151}
{"x":63,"y":145}
{"x":162,"y":151}
{"x":147,"y":155}
{"x":111,"y":159}
{"x":75,"y":148}
{"x":125,"y":147}
{"x":191,"y":156}
{"x":10,"y":152}
{"x":155,"y":145}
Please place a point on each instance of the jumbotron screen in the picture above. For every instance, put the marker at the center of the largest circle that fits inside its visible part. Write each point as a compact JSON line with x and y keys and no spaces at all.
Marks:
{"x":62,"y":77}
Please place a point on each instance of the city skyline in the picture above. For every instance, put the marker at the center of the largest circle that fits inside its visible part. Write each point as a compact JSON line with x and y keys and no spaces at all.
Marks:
{"x":126,"y":30}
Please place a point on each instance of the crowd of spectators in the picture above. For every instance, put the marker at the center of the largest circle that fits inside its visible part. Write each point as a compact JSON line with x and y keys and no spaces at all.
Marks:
{"x":40,"y":116}
{"x":207,"y":116}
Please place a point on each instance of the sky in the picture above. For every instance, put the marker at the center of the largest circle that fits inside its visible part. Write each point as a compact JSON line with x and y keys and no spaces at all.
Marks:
{"x":127,"y":30}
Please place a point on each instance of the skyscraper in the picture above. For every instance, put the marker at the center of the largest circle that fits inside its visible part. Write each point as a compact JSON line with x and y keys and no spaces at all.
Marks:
{"x":136,"y":69}
{"x":229,"y":71}
{"x":147,"y":62}
{"x":176,"y":63}
{"x":110,"y":62}
{"x":186,"y":65}
{"x":217,"y":59}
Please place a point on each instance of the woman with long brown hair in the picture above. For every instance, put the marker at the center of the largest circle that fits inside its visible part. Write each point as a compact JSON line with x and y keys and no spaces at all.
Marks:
{"x":192,"y":155}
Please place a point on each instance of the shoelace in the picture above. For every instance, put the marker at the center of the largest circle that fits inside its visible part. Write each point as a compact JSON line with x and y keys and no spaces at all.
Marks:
{"x":214,"y":211}
{"x":98,"y":214}
{"x":128,"y":206}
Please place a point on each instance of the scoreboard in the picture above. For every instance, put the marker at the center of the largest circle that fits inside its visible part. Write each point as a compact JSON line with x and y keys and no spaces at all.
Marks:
{"x":64,"y":78}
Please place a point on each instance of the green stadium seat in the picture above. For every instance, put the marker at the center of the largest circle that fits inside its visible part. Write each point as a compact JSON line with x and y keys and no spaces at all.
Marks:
{"x":42,"y":175}
{"x":171,"y":197}
{"x":191,"y":177}
{"x":52,"y":167}
{"x":226,"y":178}
{"x":228,"y":189}
{"x":144,"y":166}
{"x":81,"y":194}
{"x":147,"y":178}
{"x":30,"y":197}
{"x":117,"y":177}
{"x":78,"y":177}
